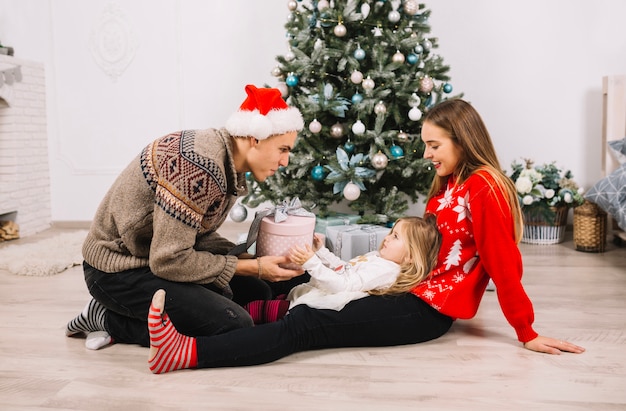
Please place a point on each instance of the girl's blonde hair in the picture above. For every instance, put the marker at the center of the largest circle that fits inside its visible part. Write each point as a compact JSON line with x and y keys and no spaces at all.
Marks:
{"x":422,"y":240}
{"x":468,"y":131}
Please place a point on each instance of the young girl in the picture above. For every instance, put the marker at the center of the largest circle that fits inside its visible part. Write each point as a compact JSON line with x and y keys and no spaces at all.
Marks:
{"x":405,"y":257}
{"x":478,"y":215}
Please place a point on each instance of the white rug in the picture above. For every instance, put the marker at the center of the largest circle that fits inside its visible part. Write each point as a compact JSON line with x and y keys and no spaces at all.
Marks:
{"x":45,"y":257}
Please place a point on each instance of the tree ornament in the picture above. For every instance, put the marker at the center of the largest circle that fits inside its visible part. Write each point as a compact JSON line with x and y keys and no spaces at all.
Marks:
{"x":394,"y":16}
{"x":427,"y":44}
{"x":349,"y":147}
{"x":351,"y":191}
{"x":290,"y":55}
{"x":411,"y":7}
{"x":415,"y":114}
{"x":356,"y":77}
{"x":291,"y":80}
{"x":447,"y":88}
{"x":403,"y":137}
{"x":323,"y":5}
{"x":398,"y":57}
{"x":358,"y":128}
{"x":317,"y":173}
{"x":315,"y":126}
{"x":292,"y":5}
{"x":379,"y":160}
{"x":412,"y":58}
{"x":284,"y":90}
{"x":414,"y":100}
{"x":336,"y":130}
{"x":368,"y":84}
{"x":380,"y":108}
{"x":357,"y":98}
{"x":396,"y":151}
{"x":377,"y":31}
{"x":359,"y":53}
{"x":277,"y":72}
{"x":426,"y":84}
{"x":419,"y":49}
{"x":238,"y":213}
{"x":340,"y":30}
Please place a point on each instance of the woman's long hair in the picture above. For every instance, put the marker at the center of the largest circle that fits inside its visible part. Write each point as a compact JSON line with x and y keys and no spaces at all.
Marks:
{"x":422,"y":240}
{"x":467,"y":130}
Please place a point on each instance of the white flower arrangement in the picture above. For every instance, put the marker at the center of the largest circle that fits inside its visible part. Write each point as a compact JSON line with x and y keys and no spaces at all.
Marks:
{"x":542,"y":188}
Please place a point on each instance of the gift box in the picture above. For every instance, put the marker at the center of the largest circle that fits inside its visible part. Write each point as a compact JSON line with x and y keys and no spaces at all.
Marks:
{"x":277,"y":238}
{"x":323,"y":223}
{"x":349,"y":241}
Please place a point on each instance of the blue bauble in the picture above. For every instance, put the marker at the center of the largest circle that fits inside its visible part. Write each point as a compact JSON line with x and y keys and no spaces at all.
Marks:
{"x":349,"y":147}
{"x":359,"y":54}
{"x":317,"y":173}
{"x":396,"y":151}
{"x":412,"y":58}
{"x":447,"y":88}
{"x":292,"y":80}
{"x":248,"y":175}
{"x":357,"y":98}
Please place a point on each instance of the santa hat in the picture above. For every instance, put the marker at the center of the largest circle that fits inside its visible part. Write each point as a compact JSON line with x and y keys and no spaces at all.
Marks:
{"x":264,"y":113}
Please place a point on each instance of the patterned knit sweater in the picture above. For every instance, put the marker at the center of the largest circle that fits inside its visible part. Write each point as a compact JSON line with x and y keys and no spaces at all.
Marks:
{"x":163,"y":211}
{"x":478,"y":244}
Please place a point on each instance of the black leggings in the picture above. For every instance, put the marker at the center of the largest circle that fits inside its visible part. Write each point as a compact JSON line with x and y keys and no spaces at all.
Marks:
{"x":367,"y":322}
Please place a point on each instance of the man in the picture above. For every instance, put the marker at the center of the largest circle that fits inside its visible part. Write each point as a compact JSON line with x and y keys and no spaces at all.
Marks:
{"x":157,"y":228}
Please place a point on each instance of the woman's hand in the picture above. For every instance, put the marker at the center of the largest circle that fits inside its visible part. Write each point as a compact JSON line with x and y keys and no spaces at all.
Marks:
{"x":300,"y":255}
{"x":551,"y":346}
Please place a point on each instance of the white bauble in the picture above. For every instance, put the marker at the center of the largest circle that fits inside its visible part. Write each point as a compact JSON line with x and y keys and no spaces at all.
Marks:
{"x":358,"y":128}
{"x":415,"y":114}
{"x":368,"y":84}
{"x":315,"y":126}
{"x":398,"y":57}
{"x":284,"y":89}
{"x":340,"y":30}
{"x":356,"y":77}
{"x":292,"y":5}
{"x":351,"y":191}
{"x":380,"y":108}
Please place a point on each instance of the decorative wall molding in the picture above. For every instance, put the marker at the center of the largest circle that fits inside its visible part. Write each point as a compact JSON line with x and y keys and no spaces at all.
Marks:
{"x":113,"y":42}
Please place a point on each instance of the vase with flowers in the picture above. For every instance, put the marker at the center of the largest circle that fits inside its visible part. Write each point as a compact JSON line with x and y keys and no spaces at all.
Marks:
{"x":546,"y":193}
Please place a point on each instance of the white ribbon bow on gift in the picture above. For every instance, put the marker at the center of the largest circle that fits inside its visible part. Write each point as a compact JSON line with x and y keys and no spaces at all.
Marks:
{"x":281,"y":212}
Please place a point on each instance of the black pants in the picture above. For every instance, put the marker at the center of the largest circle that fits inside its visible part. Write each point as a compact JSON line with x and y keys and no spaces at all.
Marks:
{"x":197,"y":310}
{"x":368,"y":322}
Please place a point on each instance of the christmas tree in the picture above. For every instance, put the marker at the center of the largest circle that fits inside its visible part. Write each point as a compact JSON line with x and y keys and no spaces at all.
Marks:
{"x":362,"y":72}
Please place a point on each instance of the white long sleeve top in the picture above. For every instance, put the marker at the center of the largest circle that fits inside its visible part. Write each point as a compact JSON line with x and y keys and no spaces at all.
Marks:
{"x":334,"y":283}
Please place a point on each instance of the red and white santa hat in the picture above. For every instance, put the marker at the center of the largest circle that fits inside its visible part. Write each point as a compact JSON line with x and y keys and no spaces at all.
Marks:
{"x":264,"y":113}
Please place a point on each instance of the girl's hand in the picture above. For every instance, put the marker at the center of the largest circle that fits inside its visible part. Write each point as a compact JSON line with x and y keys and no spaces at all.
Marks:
{"x":300,"y":255}
{"x":317,"y":242}
{"x":551,"y":346}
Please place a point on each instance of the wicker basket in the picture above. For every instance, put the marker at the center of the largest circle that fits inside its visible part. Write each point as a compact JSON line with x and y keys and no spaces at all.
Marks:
{"x":589,"y":228}
{"x":539,"y":231}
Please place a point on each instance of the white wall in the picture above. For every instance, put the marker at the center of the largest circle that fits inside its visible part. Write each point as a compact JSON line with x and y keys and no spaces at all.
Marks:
{"x":532,"y":68}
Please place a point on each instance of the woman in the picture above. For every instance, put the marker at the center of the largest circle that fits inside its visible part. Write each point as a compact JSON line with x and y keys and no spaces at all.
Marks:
{"x":479,"y":218}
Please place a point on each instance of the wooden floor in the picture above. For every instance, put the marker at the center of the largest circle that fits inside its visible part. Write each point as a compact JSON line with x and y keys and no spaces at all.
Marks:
{"x":478,"y":365}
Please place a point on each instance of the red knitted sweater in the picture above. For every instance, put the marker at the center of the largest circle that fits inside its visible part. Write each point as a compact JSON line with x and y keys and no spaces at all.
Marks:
{"x":478,"y":243}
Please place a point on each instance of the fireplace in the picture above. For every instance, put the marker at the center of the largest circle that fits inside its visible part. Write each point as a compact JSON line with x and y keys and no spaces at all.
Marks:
{"x":24,"y":165}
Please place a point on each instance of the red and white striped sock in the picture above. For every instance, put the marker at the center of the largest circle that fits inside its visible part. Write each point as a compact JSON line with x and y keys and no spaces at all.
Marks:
{"x":169,"y":349}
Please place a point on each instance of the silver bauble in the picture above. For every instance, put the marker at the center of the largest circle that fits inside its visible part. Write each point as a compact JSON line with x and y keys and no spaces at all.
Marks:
{"x":238,"y":213}
{"x":292,"y":5}
{"x":380,"y":108}
{"x":398,"y":57}
{"x":411,"y":7}
{"x":403,"y":137}
{"x":379,"y":160}
{"x":336,"y":130}
{"x":426,"y":84}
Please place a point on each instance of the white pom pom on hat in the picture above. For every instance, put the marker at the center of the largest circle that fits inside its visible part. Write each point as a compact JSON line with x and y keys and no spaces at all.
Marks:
{"x":264,"y":113}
